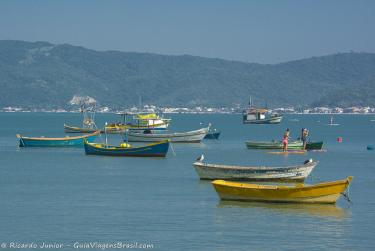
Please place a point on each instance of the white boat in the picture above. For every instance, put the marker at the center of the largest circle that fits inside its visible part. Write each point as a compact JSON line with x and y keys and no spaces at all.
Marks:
{"x":254,"y":115}
{"x":260,"y":116}
{"x":152,"y":136}
{"x":260,"y":173}
{"x":140,"y":122}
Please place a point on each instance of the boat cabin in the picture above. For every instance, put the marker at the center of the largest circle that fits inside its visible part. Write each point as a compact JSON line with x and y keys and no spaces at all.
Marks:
{"x":255,"y":114}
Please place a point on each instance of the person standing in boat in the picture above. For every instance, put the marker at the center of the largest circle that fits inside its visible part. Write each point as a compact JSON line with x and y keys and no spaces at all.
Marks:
{"x":286,"y":140}
{"x":304,"y":137}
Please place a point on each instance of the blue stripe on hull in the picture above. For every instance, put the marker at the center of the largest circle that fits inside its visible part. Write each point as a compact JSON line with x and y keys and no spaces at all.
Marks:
{"x":53,"y":143}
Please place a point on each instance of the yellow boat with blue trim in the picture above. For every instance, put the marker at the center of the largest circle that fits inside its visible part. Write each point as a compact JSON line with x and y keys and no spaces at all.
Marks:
{"x":324,"y":193}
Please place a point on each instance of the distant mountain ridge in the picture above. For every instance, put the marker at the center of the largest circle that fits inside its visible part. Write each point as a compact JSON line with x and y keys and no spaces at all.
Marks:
{"x":41,"y":74}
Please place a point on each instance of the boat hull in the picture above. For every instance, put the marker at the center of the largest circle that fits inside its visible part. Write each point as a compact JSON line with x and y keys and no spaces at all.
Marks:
{"x":186,"y":137}
{"x":292,"y":173}
{"x":212,"y":135}
{"x":314,"y":145}
{"x":123,"y":128}
{"x":270,"y":120}
{"x":295,"y":145}
{"x":74,"y":129}
{"x":325,"y":193}
{"x":56,"y":142}
{"x":159,"y":149}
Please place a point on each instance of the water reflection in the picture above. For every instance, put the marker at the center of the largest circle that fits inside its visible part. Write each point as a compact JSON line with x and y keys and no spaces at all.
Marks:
{"x":319,"y":210}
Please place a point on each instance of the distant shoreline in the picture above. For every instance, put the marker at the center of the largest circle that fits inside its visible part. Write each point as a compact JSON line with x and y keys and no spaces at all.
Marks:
{"x":238,"y":113}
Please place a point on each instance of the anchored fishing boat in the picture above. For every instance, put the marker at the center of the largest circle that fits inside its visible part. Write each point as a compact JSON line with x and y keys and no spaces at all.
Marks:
{"x":55,"y":142}
{"x":181,"y":137}
{"x":325,"y":193}
{"x":87,"y":109}
{"x":260,"y":116}
{"x":295,"y":145}
{"x":212,"y":134}
{"x":158,"y":149}
{"x":140,"y":122}
{"x":75,"y":129}
{"x":295,"y":173}
{"x":254,"y":115}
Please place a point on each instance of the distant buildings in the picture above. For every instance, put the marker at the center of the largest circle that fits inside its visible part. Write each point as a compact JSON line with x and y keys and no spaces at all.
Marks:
{"x":339,"y":110}
{"x":204,"y":110}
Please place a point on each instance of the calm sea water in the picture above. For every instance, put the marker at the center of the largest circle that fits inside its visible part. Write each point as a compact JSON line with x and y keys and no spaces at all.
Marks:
{"x":63,"y":196}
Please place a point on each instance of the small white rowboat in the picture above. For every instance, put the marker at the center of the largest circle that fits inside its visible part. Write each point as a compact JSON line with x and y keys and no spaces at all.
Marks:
{"x":260,"y":173}
{"x":187,"y":137}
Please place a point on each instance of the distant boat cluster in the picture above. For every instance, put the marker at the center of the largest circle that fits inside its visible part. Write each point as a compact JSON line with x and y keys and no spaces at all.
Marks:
{"x":151,"y":129}
{"x":133,"y":127}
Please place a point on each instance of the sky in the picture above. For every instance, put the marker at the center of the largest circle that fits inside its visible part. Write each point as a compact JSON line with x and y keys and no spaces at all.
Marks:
{"x":261,"y":31}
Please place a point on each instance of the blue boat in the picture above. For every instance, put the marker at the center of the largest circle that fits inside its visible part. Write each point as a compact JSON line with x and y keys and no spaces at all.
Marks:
{"x":55,"y":142}
{"x":212,"y":134}
{"x":370,"y":147}
{"x":158,"y":149}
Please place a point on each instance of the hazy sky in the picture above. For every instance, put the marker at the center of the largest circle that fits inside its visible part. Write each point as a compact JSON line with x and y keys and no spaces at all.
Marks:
{"x":252,"y":31}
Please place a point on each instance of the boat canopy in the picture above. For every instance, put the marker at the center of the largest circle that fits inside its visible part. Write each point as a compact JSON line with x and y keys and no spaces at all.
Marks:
{"x":147,"y":116}
{"x":257,"y":110}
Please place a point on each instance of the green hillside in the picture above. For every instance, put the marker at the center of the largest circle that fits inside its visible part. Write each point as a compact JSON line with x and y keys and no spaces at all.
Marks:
{"x":41,"y":74}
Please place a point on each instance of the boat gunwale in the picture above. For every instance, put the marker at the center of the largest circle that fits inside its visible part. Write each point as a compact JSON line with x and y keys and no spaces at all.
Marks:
{"x":169,"y":135}
{"x":276,"y":142}
{"x":123,"y":126}
{"x":76,"y":127}
{"x":231,"y":184}
{"x":111,"y":147}
{"x":269,"y":168}
{"x":59,"y":139}
{"x":279,"y":141}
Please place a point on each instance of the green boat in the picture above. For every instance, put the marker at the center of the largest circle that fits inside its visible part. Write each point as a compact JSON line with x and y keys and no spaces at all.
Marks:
{"x":314,"y":145}
{"x":294,"y":145}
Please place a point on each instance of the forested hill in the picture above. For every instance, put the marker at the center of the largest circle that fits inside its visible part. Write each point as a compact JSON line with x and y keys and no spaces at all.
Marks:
{"x":41,"y":74}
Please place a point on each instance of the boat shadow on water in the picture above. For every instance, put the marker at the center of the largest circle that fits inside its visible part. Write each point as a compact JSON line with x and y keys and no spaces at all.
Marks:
{"x":313,"y":210}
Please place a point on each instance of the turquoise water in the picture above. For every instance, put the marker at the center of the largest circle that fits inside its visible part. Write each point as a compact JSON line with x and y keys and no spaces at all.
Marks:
{"x":63,"y":196}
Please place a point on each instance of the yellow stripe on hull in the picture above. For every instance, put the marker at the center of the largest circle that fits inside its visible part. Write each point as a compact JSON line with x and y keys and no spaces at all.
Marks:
{"x":320,"y":193}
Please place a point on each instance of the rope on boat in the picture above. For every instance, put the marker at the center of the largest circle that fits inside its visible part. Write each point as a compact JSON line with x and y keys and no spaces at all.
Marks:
{"x":21,"y":140}
{"x":346,"y":196}
{"x":174,"y":153}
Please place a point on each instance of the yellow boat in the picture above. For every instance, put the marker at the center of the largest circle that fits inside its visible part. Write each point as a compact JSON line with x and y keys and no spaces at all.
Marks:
{"x":325,"y":193}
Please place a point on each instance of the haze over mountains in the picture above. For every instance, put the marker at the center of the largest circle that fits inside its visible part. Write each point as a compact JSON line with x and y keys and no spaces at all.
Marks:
{"x":44,"y":75}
